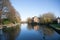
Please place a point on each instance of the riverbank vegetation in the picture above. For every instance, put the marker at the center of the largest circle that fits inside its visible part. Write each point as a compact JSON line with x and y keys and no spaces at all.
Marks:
{"x":9,"y":15}
{"x":45,"y":19}
{"x":56,"y":25}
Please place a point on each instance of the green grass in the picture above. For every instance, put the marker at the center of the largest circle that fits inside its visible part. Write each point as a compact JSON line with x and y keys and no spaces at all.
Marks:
{"x":6,"y":21}
{"x":56,"y":25}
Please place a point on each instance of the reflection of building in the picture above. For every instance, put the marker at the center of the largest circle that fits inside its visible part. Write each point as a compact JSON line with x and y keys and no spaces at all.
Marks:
{"x":36,"y":27}
{"x":58,"y":20}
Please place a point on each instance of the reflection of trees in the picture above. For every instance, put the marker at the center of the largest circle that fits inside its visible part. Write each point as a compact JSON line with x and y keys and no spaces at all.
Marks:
{"x":48,"y":31}
{"x":35,"y":27}
{"x":12,"y":34}
{"x":29,"y":26}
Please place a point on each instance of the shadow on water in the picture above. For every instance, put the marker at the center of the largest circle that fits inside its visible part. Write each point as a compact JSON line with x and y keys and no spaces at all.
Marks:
{"x":58,"y":31}
{"x":10,"y":33}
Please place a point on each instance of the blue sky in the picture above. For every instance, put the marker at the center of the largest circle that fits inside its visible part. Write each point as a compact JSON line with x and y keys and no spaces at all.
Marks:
{"x":30,"y":8}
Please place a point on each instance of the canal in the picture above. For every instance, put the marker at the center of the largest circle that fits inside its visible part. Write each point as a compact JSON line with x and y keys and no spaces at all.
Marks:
{"x":29,"y":32}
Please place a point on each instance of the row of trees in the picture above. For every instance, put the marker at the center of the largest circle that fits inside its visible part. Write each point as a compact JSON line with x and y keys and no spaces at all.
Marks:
{"x":12,"y":15}
{"x":45,"y":18}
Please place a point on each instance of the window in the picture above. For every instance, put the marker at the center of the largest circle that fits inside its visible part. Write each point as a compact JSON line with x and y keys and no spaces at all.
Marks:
{"x":5,"y":9}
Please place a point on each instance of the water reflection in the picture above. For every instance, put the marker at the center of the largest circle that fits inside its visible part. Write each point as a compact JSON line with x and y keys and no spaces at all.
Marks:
{"x":46,"y":30}
{"x":10,"y":34}
{"x":47,"y":33}
{"x":29,"y":32}
{"x":35,"y":27}
{"x":29,"y":27}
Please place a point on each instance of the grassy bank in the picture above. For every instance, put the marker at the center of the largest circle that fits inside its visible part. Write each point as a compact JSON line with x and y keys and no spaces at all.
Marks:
{"x":57,"y":26}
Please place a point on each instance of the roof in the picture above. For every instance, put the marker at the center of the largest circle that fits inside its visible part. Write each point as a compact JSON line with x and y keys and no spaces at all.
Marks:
{"x":58,"y":18}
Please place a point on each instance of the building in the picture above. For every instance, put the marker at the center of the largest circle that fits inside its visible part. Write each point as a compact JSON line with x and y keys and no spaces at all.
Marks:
{"x":36,"y":19}
{"x":58,"y":20}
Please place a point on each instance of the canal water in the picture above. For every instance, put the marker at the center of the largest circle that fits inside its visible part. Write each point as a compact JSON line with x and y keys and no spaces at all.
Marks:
{"x":29,"y":32}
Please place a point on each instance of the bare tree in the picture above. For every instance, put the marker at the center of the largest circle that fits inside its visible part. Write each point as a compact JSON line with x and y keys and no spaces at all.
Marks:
{"x":29,"y":20}
{"x":10,"y":12}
